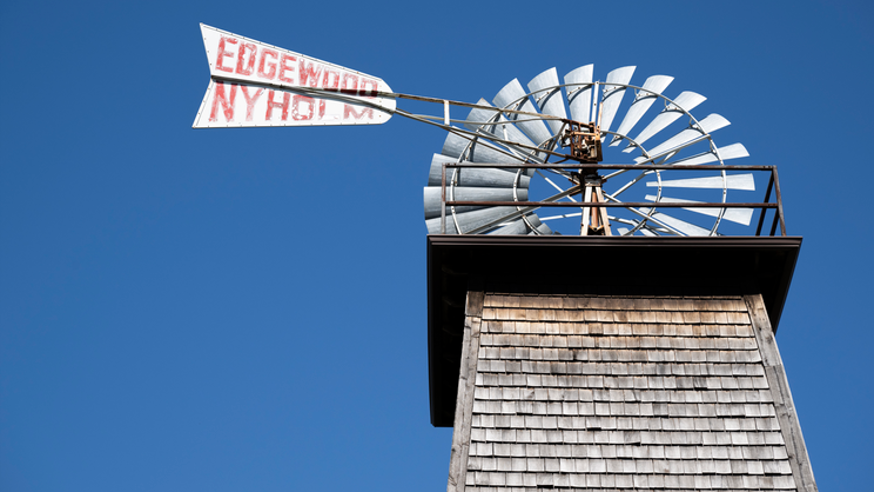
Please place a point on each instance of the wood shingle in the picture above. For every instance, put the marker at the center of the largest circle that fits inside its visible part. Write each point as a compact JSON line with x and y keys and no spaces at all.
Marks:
{"x":618,"y":393}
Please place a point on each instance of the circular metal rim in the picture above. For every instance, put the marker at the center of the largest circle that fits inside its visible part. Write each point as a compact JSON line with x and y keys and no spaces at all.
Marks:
{"x":668,"y":103}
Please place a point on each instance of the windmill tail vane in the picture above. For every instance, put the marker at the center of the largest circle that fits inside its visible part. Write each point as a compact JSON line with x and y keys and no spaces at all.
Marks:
{"x":256,"y":84}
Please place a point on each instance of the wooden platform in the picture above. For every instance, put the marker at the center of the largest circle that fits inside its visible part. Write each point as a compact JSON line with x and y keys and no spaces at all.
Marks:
{"x":572,"y":265}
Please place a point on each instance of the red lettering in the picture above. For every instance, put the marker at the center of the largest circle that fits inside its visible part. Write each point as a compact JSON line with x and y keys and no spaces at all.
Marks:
{"x":349,"y":84}
{"x":241,"y":55}
{"x":285,"y":68}
{"x":296,"y":114}
{"x":272,"y":67}
{"x":362,"y":87}
{"x":222,"y":53}
{"x":309,"y":74}
{"x":350,"y":111}
{"x":250,"y":100}
{"x":331,"y":80}
{"x":284,"y":104}
{"x":222,"y":98}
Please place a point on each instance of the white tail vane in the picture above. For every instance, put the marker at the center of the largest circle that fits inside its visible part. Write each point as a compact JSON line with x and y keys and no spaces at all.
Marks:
{"x":255,"y":84}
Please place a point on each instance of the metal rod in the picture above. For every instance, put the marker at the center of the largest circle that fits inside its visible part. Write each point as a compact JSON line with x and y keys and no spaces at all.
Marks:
{"x":615,"y":166}
{"x":669,"y":102}
{"x":557,"y":187}
{"x":609,"y":204}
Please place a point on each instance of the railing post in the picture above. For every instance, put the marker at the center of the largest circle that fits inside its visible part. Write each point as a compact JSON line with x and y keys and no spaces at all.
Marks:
{"x":443,"y":199}
{"x":764,"y":210}
{"x":779,"y":202}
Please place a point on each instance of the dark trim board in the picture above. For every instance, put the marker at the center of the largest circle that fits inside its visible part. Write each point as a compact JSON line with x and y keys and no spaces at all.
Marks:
{"x":567,"y":265}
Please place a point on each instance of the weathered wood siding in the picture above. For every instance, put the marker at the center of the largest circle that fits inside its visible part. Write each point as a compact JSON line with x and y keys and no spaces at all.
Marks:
{"x":621,"y":393}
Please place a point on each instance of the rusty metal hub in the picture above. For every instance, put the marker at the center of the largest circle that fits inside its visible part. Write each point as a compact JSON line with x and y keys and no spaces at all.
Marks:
{"x":584,"y":140}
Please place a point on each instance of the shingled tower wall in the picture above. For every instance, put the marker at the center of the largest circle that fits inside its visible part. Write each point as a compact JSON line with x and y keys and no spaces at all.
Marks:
{"x":621,"y":393}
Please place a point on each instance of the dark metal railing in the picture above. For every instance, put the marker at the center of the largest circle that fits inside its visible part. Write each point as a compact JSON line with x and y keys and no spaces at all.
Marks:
{"x":773,"y":183}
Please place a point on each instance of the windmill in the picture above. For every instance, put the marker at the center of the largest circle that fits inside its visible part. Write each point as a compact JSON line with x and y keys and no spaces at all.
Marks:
{"x":625,"y":344}
{"x":542,"y":131}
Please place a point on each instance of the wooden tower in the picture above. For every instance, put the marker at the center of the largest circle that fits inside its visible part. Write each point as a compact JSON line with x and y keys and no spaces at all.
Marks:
{"x":666,"y":378}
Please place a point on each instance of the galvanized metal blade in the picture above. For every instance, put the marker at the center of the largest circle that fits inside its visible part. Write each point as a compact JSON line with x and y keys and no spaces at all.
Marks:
{"x":474,"y":176}
{"x":433,"y":197}
{"x":542,"y":230}
{"x":520,"y":227}
{"x":686,"y":100}
{"x":737,"y":215}
{"x":502,"y":129}
{"x":579,"y":92}
{"x":512,"y":96}
{"x":547,"y":94}
{"x":469,"y":221}
{"x":646,"y":230}
{"x":653,"y":86}
{"x":623,"y":231}
{"x":744,"y":182}
{"x":613,"y":94}
{"x":706,"y":126}
{"x":733,"y":151}
{"x":678,"y":225}
{"x":475,"y":151}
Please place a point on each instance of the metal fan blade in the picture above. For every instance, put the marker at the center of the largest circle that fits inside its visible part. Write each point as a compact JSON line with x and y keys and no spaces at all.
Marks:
{"x":613,"y":95}
{"x":512,"y":96}
{"x":642,"y":102}
{"x":433,"y":200}
{"x":676,"y":224}
{"x":479,"y":151}
{"x":645,"y":230}
{"x":519,"y":227}
{"x":542,"y":230}
{"x":579,"y":96}
{"x":686,"y":100}
{"x":474,"y":176}
{"x":736,"y":215}
{"x":743,"y":182}
{"x":550,"y":99}
{"x":505,"y":131}
{"x":482,"y":115}
{"x":469,"y":221}
{"x":709,"y":124}
{"x":733,"y":151}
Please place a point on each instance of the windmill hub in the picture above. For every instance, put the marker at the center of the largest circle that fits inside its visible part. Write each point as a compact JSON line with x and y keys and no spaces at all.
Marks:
{"x":584,"y":140}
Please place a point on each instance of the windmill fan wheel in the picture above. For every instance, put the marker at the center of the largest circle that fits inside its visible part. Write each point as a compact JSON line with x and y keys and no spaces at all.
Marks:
{"x":637,"y":125}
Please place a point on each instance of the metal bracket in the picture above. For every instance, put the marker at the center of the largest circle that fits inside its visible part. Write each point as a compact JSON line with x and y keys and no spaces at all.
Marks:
{"x":584,"y":140}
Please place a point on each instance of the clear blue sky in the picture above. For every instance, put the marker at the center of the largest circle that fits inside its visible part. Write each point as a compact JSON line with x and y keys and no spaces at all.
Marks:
{"x":227,"y":310}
